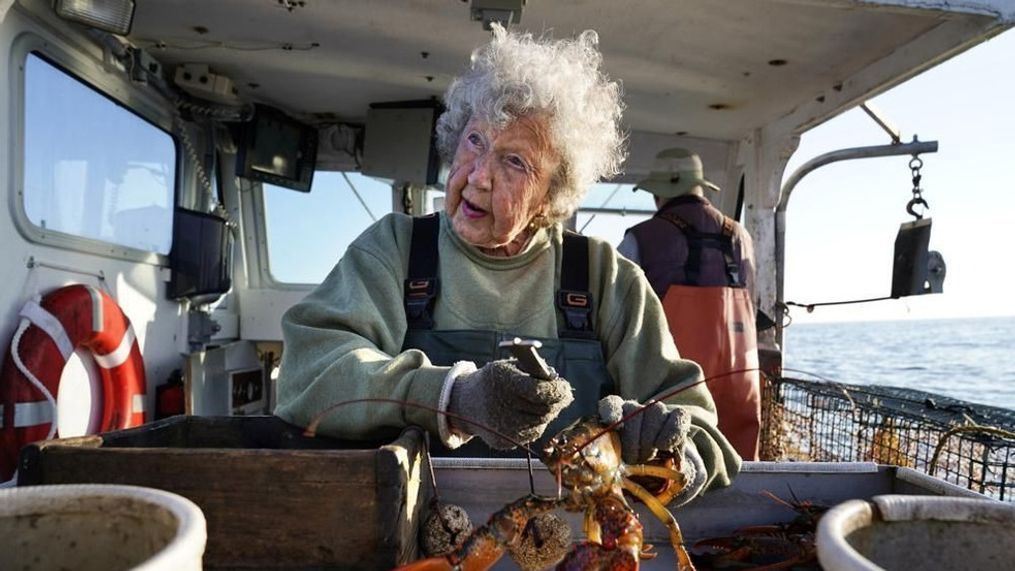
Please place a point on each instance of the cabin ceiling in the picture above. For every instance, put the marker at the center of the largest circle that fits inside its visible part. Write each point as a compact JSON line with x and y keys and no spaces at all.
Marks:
{"x":700,"y":68}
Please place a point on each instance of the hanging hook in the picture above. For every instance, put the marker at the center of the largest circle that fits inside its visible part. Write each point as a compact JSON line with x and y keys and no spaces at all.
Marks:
{"x":915,"y":164}
{"x":913,"y":203}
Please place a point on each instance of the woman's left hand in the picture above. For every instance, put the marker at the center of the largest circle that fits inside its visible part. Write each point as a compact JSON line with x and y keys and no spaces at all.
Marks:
{"x":659,"y":428}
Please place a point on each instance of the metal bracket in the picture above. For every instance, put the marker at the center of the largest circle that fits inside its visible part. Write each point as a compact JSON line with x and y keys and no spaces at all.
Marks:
{"x":200,"y":329}
{"x":878,"y":118}
{"x":504,"y":12}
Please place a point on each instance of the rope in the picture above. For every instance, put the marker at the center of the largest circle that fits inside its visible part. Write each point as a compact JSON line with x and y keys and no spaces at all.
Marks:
{"x":15,"y":342}
{"x":810,"y":306}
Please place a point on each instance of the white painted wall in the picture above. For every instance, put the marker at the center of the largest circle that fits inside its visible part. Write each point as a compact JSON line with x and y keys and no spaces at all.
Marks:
{"x":138,"y":287}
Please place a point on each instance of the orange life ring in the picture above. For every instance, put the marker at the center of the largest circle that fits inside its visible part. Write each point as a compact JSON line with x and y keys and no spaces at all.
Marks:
{"x":70,"y":318}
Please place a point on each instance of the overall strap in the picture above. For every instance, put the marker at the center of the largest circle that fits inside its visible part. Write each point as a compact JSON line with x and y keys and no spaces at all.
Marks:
{"x":422,"y":285}
{"x":723,"y":241}
{"x":573,"y":298}
{"x":726,"y":245}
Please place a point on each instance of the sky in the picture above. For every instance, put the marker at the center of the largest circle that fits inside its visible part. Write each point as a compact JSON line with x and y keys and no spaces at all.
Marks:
{"x":966,"y":104}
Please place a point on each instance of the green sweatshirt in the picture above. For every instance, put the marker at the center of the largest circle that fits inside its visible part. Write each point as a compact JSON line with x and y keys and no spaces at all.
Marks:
{"x":344,"y":340}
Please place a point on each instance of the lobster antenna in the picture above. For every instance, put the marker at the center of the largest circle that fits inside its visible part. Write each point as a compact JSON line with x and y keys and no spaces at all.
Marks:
{"x":532,"y":479}
{"x":311,"y":430}
{"x":429,"y":464}
{"x":815,"y":375}
{"x":779,"y":500}
{"x":796,"y":500}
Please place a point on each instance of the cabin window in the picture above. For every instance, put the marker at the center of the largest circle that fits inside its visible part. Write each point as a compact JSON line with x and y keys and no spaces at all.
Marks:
{"x":308,"y":232}
{"x":610,"y":209}
{"x":92,"y":168}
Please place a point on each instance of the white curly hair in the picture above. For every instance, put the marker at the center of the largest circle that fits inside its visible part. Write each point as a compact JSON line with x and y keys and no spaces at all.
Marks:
{"x":517,"y":75}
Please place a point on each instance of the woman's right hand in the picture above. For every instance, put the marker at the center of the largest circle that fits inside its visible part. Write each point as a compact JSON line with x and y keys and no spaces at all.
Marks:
{"x":505,"y":402}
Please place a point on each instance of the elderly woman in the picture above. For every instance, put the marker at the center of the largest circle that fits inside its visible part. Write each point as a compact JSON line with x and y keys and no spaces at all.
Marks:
{"x":415,"y":308}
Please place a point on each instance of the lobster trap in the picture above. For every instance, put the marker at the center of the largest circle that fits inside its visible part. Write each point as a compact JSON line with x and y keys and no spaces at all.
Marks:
{"x":967,"y":444}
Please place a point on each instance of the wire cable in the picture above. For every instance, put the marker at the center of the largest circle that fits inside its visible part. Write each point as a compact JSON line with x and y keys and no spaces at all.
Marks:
{"x":810,"y":306}
{"x":603,"y":205}
{"x":358,"y":197}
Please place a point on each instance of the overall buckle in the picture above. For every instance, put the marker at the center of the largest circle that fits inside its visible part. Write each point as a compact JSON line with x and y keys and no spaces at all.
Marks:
{"x":577,"y":309}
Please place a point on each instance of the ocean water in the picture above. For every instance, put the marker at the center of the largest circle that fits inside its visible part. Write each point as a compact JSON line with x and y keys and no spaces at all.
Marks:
{"x":969,"y":359}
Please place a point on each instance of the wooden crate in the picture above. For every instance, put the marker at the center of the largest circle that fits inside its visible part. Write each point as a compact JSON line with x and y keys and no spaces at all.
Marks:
{"x":273,"y":498}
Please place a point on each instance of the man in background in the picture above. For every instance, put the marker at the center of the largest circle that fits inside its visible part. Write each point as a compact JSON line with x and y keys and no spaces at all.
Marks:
{"x":701,"y":265}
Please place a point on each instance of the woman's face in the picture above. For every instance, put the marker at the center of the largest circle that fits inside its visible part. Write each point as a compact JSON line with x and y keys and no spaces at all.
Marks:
{"x":499,"y":180}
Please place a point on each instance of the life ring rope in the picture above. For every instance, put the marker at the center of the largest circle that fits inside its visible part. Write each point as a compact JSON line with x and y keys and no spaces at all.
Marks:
{"x":32,"y":413}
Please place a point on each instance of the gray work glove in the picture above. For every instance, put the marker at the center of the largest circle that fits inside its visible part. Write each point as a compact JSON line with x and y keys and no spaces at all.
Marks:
{"x":659,"y":428}
{"x":507,"y":400}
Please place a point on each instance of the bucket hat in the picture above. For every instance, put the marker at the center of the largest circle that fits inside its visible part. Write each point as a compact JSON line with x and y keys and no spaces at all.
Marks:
{"x":675,"y":172}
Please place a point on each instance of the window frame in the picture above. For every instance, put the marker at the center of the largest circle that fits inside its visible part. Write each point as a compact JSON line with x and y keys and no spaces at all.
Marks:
{"x":143,"y":103}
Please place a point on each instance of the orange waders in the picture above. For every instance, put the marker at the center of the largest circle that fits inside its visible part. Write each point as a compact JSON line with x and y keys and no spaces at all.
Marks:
{"x":720,"y":351}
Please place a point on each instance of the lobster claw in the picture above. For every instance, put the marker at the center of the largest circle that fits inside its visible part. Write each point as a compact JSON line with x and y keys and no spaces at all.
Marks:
{"x":917,"y":200}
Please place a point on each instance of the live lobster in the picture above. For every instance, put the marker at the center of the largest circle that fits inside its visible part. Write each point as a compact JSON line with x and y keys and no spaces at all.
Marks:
{"x":586,"y":459}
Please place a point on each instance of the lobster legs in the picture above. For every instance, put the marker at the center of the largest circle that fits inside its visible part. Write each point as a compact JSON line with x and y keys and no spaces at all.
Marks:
{"x":658,"y":508}
{"x":587,"y":460}
{"x":614,"y":537}
{"x":488,"y":543}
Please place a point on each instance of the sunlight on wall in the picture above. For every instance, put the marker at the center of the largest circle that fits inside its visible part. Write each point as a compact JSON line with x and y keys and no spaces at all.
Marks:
{"x":138,"y":305}
{"x":79,"y":396}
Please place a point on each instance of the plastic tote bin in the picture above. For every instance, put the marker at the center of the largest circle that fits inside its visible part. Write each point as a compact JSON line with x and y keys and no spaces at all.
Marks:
{"x":99,"y":528}
{"x":917,"y":532}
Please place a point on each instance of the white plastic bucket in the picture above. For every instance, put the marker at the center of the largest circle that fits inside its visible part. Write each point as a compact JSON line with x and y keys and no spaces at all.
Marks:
{"x":917,"y":532}
{"x":99,"y":527}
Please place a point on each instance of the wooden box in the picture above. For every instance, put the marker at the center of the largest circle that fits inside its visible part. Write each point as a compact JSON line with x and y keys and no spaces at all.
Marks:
{"x":273,"y":498}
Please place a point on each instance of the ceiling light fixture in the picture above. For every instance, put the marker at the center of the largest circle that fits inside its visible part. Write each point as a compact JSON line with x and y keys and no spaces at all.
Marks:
{"x":115,"y":16}
{"x":504,"y":12}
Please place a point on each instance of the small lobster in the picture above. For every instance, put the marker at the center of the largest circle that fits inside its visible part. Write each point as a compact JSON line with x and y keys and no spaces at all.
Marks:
{"x":586,"y":458}
{"x":789,"y":545}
